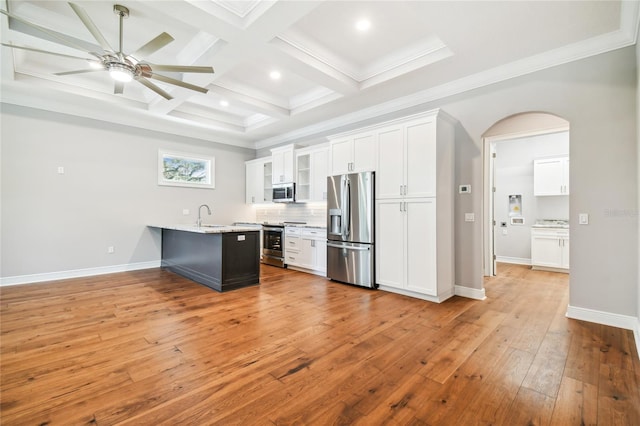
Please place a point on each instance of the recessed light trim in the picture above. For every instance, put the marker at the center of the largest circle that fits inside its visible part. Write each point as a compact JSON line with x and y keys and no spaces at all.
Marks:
{"x":275,"y":75}
{"x":363,"y":24}
{"x":224,"y":103}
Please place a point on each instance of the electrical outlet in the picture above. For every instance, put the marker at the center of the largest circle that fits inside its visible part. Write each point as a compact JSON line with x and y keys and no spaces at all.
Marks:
{"x":185,"y":212}
{"x":60,"y":170}
{"x":469,"y":217}
{"x":111,"y":250}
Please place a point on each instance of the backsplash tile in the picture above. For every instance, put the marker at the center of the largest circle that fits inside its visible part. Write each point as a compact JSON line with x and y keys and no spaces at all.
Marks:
{"x":311,"y":213}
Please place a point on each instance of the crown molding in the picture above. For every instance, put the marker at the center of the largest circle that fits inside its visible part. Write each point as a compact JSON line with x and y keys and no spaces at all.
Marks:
{"x":21,"y":93}
{"x":570,"y":53}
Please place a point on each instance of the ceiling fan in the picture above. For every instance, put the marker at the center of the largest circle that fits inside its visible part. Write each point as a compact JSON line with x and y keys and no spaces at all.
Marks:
{"x":122,"y":67}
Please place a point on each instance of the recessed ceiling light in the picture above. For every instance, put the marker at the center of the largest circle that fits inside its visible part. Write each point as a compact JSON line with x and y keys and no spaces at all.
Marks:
{"x":363,"y":24}
{"x":275,"y":75}
{"x":224,"y":103}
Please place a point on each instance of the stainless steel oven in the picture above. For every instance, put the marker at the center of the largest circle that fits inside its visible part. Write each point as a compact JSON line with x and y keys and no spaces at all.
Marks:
{"x":273,"y":245}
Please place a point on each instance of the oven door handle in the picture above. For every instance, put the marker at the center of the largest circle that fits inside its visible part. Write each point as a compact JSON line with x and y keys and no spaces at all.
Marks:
{"x":268,"y":228}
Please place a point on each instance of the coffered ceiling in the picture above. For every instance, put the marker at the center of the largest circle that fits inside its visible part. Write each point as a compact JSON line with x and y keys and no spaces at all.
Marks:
{"x":330,"y":72}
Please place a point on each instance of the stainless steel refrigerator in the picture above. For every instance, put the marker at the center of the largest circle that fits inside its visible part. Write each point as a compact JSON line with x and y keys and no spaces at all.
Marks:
{"x":350,"y":228}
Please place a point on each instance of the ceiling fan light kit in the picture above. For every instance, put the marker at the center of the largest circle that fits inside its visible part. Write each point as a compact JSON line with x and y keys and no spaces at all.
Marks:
{"x":122,"y":68}
{"x":120,"y":72}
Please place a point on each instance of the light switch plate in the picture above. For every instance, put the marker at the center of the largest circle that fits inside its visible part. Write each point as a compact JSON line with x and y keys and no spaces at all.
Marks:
{"x":464,"y":189}
{"x":469,"y":217}
{"x":583,"y":218}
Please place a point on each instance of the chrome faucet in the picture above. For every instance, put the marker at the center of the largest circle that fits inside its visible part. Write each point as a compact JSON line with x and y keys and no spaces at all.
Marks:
{"x":199,"y":222}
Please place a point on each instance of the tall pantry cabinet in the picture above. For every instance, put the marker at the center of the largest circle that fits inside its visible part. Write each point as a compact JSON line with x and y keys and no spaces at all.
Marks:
{"x":415,"y":206}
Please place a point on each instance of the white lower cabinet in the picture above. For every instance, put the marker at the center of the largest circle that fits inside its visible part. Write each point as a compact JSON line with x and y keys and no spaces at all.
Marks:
{"x":406,"y":255}
{"x":306,"y":248}
{"x":550,"y":249}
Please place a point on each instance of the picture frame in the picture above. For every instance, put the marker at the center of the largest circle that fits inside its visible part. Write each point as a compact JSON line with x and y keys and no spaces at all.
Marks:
{"x":186,"y":170}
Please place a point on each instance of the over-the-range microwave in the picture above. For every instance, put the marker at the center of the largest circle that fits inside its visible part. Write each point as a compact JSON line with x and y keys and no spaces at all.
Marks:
{"x":284,"y":192}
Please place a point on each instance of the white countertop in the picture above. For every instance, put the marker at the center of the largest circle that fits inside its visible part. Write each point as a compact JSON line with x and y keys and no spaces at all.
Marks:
{"x":208,"y":228}
{"x":551,"y":223}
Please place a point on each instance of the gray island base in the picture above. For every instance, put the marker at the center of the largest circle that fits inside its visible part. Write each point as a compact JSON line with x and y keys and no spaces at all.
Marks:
{"x":222,"y":258}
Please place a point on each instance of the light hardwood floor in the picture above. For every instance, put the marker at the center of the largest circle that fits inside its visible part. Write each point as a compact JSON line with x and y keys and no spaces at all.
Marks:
{"x":149,"y":348}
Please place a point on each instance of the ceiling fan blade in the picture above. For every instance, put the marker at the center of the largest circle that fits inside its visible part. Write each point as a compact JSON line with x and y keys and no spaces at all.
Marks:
{"x":62,"y":40}
{"x":178,"y":83}
{"x":152,"y":46}
{"x":14,"y":46}
{"x":182,"y":68}
{"x":153,"y":87}
{"x":118,"y":89}
{"x":78,"y":71}
{"x":95,"y":32}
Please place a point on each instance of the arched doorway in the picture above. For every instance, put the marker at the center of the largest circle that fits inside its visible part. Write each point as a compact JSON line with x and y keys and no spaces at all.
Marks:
{"x":514,"y":131}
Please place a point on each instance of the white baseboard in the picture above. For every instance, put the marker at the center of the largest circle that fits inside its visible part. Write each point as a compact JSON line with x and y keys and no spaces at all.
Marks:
{"x":77,"y":273}
{"x":435,"y":299}
{"x":472,"y":293}
{"x":636,"y":335}
{"x":513,"y":260}
{"x":607,"y":318}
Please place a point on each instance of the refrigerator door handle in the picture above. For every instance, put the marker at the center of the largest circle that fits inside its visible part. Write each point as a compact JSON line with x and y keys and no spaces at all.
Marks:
{"x":346,"y":208}
{"x":348,"y":247}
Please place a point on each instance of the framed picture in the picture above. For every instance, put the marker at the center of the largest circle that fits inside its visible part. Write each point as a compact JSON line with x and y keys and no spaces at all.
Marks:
{"x":191,"y":170}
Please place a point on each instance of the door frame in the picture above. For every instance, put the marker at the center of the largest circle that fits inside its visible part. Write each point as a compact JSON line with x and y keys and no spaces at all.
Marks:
{"x":488,"y":161}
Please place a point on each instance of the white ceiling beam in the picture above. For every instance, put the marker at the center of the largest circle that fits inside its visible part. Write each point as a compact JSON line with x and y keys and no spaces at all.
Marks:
{"x":250,"y":102}
{"x":310,"y":67}
{"x":241,"y":44}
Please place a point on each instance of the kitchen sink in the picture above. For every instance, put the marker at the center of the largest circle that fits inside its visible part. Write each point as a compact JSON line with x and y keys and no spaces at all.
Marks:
{"x":214,"y":226}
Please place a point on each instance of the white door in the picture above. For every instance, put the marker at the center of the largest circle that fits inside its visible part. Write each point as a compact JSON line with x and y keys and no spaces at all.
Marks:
{"x":277,"y":165}
{"x":341,"y":156}
{"x":319,"y":173}
{"x":364,"y":153}
{"x":389,"y":173}
{"x":421,"y":159}
{"x":546,"y":250}
{"x":421,"y":246}
{"x":253,"y":184}
{"x":320,"y":255}
{"x":287,"y":166}
{"x":565,"y":253}
{"x":547,"y":177}
{"x":565,"y":176}
{"x":390,"y":230}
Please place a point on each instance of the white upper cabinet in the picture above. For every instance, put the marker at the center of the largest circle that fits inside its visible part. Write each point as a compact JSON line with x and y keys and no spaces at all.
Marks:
{"x":407,"y":160}
{"x":258,"y":181}
{"x":353,"y":153}
{"x":283,"y":164}
{"x":312,"y":168}
{"x":551,"y":176}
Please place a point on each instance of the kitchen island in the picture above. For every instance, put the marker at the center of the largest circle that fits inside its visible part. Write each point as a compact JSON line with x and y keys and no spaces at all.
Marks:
{"x":218,"y":256}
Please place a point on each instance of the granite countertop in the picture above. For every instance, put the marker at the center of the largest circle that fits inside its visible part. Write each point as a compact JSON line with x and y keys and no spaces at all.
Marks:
{"x":551,"y":223}
{"x":208,"y":228}
{"x":309,"y":225}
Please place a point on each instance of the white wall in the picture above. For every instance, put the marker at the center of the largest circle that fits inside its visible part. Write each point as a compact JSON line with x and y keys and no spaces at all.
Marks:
{"x":54,"y":222}
{"x":514,"y":175}
{"x":637,"y":331}
{"x":597,"y":96}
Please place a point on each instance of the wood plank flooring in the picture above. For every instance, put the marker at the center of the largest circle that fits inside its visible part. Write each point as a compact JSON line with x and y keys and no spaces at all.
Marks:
{"x":149,"y":347}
